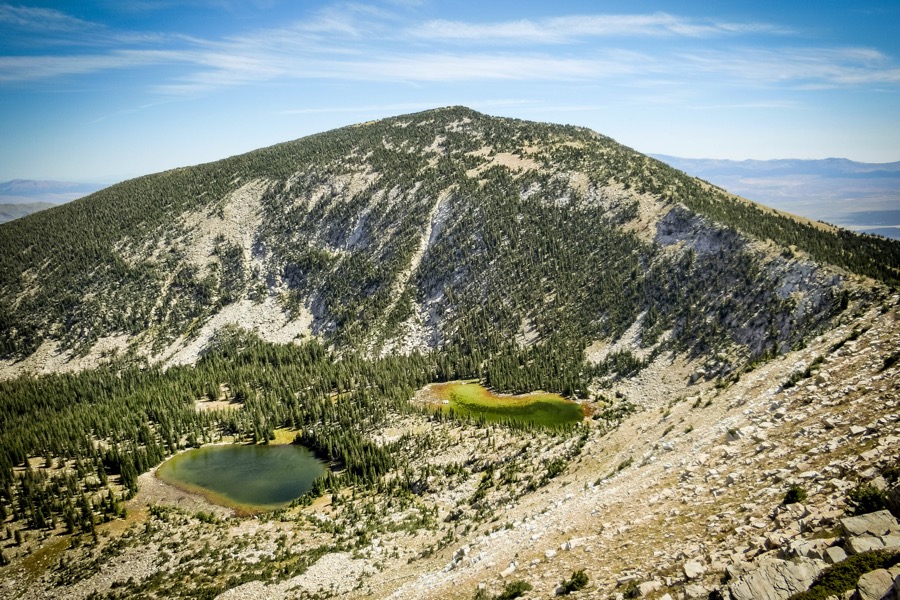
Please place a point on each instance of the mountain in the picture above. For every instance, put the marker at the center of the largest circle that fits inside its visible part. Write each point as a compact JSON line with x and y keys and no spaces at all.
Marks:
{"x":718,"y":355}
{"x":860,"y":196}
{"x":444,"y":229}
{"x":56,"y":192}
{"x":21,"y":197}
{"x":8,"y":212}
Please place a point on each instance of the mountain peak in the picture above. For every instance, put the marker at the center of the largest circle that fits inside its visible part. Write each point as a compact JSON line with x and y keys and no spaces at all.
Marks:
{"x":372,"y":237}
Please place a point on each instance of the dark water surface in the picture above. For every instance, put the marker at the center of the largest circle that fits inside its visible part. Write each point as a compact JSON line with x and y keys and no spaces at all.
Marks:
{"x":261,"y":477}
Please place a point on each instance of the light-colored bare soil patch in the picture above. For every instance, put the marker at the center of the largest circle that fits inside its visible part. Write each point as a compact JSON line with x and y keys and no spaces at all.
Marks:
{"x":513,"y":162}
{"x":49,"y":358}
{"x":266,"y":319}
{"x":154,"y":491}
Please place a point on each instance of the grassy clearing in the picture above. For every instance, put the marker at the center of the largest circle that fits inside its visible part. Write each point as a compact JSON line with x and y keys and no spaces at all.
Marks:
{"x":471,"y":400}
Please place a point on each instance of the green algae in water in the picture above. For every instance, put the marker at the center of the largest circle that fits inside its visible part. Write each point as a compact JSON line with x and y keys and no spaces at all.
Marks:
{"x":259,"y":477}
{"x":470,"y":399}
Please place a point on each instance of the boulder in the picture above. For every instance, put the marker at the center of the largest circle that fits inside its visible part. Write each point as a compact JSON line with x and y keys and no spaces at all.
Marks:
{"x":834,"y":555}
{"x":876,"y":524}
{"x":647,"y":588}
{"x":461,"y":553}
{"x":776,"y":579}
{"x":693,"y":569}
{"x":874,"y":585}
{"x":692,"y":591}
{"x":810,"y":548}
{"x":864,"y":543}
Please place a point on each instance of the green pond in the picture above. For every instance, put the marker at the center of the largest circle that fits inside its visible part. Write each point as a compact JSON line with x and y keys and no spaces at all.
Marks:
{"x":254,"y":477}
{"x":470,"y":399}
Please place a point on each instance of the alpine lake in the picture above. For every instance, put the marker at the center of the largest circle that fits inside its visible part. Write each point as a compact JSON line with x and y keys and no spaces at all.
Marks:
{"x":250,"y":478}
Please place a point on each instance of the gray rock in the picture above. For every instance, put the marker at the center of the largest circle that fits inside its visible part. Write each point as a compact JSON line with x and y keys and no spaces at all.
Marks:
{"x":693,"y":569}
{"x":874,"y":585}
{"x":834,"y":555}
{"x":864,"y":543}
{"x":891,"y":540}
{"x":647,"y":588}
{"x":876,"y":523}
{"x":879,"y":483}
{"x":776,"y":579}
{"x":461,"y":553}
{"x":694,"y":590}
{"x":810,"y":548}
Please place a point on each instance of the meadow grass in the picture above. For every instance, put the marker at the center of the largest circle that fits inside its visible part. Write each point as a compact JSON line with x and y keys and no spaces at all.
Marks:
{"x":469,"y":399}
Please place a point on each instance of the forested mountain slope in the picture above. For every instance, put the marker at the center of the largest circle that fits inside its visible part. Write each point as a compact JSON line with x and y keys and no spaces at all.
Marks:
{"x":446,"y":228}
{"x":714,"y":351}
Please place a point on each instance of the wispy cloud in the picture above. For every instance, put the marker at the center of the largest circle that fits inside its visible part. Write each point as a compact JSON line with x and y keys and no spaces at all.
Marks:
{"x":40,"y":19}
{"x":356,"y":42}
{"x":766,"y":105}
{"x":17,"y":69}
{"x":576,"y":27}
{"x":829,"y":67}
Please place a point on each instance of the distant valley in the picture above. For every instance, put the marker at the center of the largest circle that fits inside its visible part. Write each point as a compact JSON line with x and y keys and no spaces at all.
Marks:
{"x":864,"y":197}
{"x":21,"y":197}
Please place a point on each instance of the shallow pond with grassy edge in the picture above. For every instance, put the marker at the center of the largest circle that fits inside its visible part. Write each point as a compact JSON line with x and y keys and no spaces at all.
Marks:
{"x":470,"y":399}
{"x":245,"y":477}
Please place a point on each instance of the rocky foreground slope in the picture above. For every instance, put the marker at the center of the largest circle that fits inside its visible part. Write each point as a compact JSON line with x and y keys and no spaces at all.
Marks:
{"x":684,"y":498}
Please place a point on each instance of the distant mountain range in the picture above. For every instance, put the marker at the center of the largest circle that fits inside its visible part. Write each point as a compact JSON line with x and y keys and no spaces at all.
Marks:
{"x":860,"y":196}
{"x":8,"y":212}
{"x":21,"y":197}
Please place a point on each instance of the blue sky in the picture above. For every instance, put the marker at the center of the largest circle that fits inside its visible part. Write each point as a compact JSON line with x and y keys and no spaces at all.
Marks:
{"x":102,"y":90}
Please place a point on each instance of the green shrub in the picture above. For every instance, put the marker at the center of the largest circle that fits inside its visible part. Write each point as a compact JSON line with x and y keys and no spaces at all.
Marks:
{"x":839,"y":578}
{"x":578,"y":581}
{"x":891,"y":473}
{"x":889,"y":361}
{"x":865,"y":498}
{"x":625,"y":463}
{"x":631,"y":589}
{"x":794,"y":494}
{"x":482,"y":594}
{"x":514,"y":589}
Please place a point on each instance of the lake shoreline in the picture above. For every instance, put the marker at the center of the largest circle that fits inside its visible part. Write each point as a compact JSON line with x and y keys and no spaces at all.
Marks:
{"x":245,"y":478}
